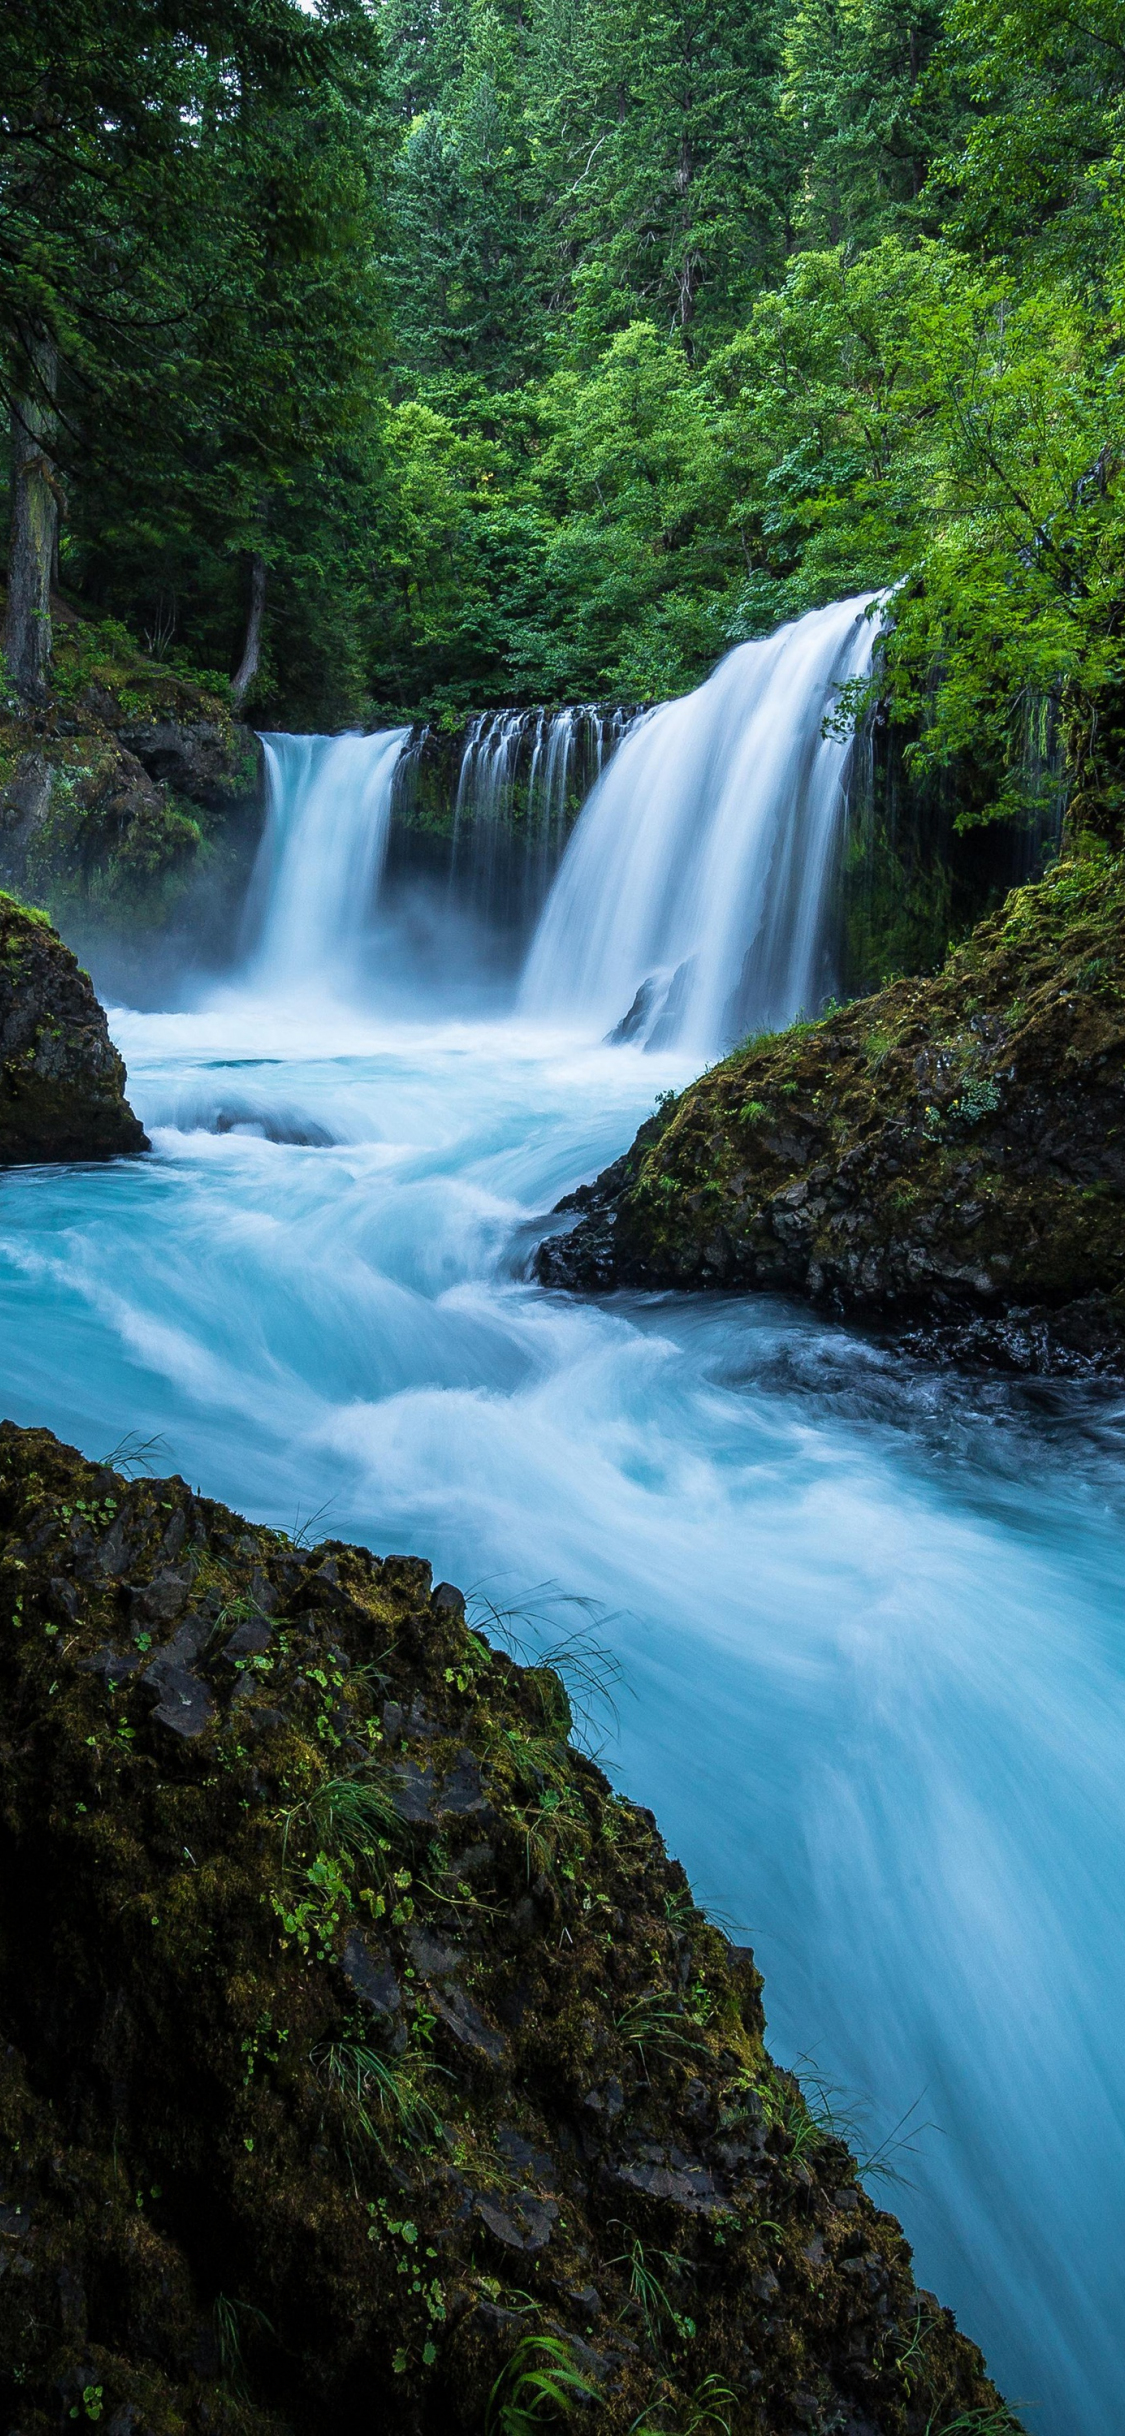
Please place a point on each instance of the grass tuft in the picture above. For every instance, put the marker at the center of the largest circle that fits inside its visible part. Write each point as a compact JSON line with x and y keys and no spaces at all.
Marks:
{"x":539,"y":2383}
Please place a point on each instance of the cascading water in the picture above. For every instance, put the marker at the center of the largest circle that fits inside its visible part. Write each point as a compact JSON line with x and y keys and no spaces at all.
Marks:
{"x":868,"y":1614}
{"x":327,"y":822}
{"x":489,"y":823}
{"x":690,"y":905}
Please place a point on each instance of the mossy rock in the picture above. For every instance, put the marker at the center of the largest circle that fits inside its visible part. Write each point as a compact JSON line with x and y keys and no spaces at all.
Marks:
{"x":358,"y":2040}
{"x":62,"y":1082}
{"x":950,"y":1151}
{"x":128,"y":795}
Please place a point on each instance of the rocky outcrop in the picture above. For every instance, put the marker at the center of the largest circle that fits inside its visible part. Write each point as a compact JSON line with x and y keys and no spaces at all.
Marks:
{"x":950,"y":1152}
{"x":62,"y":1083}
{"x":362,"y":2054}
{"x":129,"y":797}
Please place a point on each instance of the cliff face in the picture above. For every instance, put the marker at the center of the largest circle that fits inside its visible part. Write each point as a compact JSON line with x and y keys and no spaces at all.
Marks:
{"x":127,"y":797}
{"x":359,"y":2048}
{"x":62,"y":1083}
{"x":950,"y":1151}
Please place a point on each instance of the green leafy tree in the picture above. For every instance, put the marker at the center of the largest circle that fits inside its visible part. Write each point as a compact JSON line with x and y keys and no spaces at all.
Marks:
{"x":185,"y":297}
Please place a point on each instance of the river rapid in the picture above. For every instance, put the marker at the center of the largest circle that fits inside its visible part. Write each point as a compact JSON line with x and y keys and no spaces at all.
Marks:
{"x":868,"y":1617}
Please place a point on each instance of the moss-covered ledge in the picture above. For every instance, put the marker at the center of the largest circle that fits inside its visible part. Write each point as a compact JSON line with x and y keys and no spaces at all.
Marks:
{"x":950,"y":1151}
{"x":129,"y":793}
{"x":360,"y":2048}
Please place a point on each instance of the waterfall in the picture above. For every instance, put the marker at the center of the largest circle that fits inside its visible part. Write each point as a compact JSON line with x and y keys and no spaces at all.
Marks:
{"x":321,"y":857}
{"x":691,"y":902}
{"x":487,"y":816}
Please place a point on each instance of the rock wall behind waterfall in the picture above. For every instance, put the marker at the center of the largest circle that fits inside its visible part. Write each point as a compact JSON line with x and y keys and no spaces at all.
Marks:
{"x":484,"y":812}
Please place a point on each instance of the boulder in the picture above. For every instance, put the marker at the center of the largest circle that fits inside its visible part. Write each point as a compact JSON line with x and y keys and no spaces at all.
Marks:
{"x":62,"y":1082}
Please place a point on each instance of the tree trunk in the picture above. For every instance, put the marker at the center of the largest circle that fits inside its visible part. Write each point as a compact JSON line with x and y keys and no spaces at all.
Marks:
{"x":35,"y":521}
{"x":252,"y":648}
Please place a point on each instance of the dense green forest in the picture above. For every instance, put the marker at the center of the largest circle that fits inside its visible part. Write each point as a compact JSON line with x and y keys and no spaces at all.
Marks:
{"x":404,"y":354}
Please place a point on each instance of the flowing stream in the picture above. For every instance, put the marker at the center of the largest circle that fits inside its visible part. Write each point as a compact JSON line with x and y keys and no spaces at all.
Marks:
{"x":868,"y":1616}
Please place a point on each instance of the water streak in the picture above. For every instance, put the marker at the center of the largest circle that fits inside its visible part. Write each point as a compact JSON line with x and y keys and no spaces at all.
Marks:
{"x":869,"y":1616}
{"x":321,"y":857}
{"x":520,"y":777}
{"x":691,"y":903}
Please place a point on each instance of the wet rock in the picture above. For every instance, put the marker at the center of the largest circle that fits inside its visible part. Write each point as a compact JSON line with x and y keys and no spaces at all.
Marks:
{"x":606,"y":2103}
{"x":462,"y":1794}
{"x":62,"y":1083}
{"x":112,"y":1665}
{"x":524,"y":2222}
{"x":114,"y":1550}
{"x":373,"y":1979}
{"x":191,"y":755}
{"x":161,"y":1600}
{"x":431,"y":1954}
{"x":185,"y":1705}
{"x":466,"y":2024}
{"x":522,"y":2157}
{"x":412,"y":1792}
{"x":685,"y":2182}
{"x":270,"y":2042}
{"x":250,"y":1639}
{"x":901,"y":1160}
{"x":184,"y":1702}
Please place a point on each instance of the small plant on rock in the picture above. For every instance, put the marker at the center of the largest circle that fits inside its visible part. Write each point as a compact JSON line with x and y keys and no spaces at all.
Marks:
{"x":380,"y":2093}
{"x":538,"y":2384}
{"x":656,"y":2024}
{"x":648,"y":2289}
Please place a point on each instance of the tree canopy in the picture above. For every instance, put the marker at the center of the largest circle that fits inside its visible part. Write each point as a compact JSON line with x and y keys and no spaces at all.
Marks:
{"x":540,"y":349}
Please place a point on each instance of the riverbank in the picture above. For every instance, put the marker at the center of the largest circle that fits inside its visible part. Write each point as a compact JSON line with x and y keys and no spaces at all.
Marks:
{"x":948,"y":1154}
{"x":382,"y":2042}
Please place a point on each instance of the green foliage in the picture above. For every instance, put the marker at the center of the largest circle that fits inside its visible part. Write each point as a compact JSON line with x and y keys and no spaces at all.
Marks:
{"x":709,"y":2407}
{"x":658,"y":2026}
{"x":537,"y":2387}
{"x":648,"y":2288}
{"x":542,"y":353}
{"x":354,"y":1815}
{"x":191,"y":230}
{"x":380,"y":2094}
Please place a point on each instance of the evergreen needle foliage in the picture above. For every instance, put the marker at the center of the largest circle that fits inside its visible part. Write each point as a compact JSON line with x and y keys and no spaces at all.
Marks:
{"x":532,"y":353}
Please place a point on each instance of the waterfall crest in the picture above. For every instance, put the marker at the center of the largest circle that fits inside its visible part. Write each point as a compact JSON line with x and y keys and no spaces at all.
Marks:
{"x":690,"y":904}
{"x":321,"y":857}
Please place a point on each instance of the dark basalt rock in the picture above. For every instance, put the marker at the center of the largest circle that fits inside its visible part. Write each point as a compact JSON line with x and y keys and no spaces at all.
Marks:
{"x":193,"y":756}
{"x":62,"y":1083}
{"x":948,"y":1155}
{"x":298,"y":2132}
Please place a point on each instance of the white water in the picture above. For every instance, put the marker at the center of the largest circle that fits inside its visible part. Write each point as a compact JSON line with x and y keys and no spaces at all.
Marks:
{"x":870,"y":1619}
{"x":322,"y":854}
{"x":699,"y":869}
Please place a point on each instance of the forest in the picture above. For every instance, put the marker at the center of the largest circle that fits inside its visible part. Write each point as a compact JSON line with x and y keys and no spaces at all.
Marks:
{"x":562,"y":1006}
{"x":409,"y":356}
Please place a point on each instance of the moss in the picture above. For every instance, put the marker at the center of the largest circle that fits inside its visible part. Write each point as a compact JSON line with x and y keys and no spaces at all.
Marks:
{"x":99,"y":656}
{"x":129,"y":788}
{"x":28,"y":913}
{"x":931,"y":1150}
{"x":315,"y":2112}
